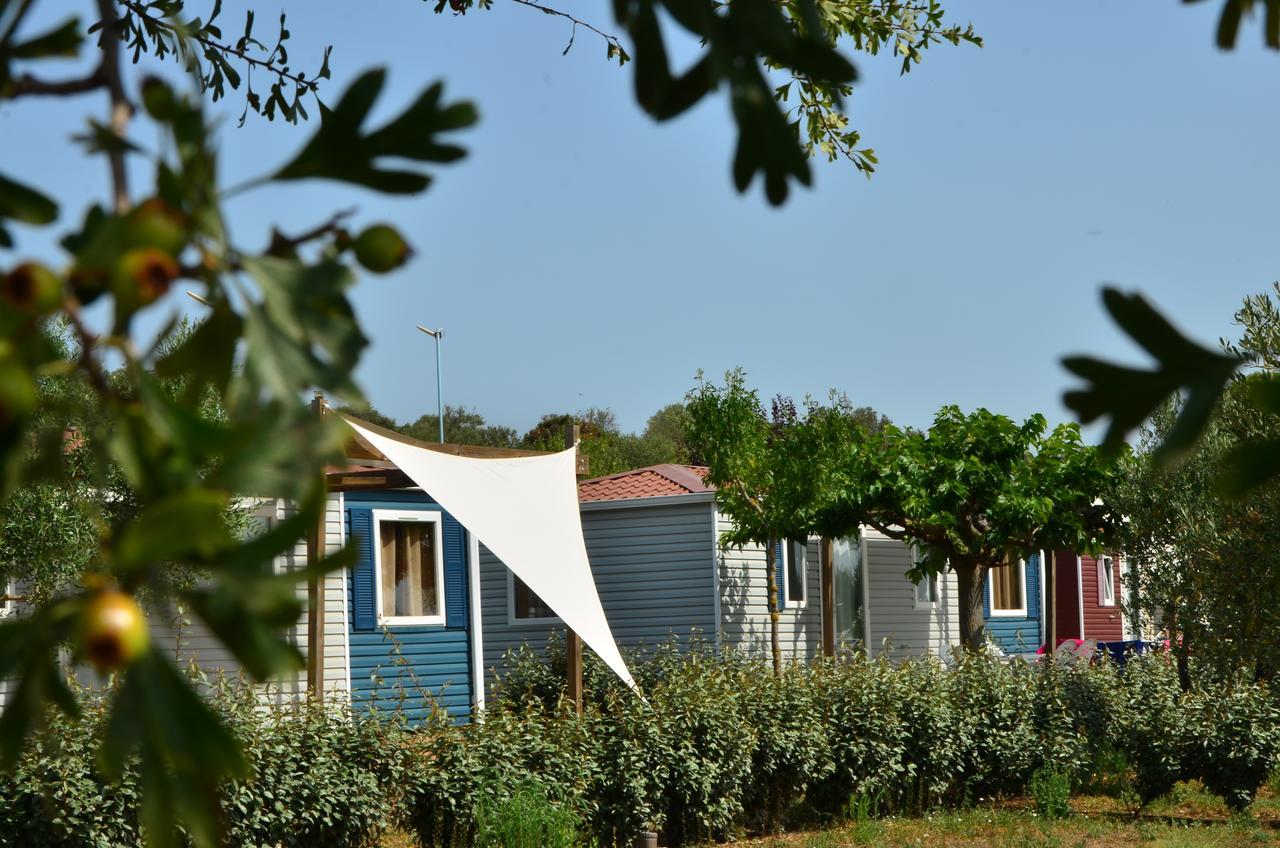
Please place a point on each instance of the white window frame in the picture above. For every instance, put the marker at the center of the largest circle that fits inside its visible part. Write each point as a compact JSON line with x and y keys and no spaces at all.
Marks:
{"x":1106,"y":582}
{"x":787,"y":602}
{"x":1008,"y":613}
{"x":511,"y":608}
{"x":930,"y":582}
{"x":397,"y":515}
{"x":9,"y":588}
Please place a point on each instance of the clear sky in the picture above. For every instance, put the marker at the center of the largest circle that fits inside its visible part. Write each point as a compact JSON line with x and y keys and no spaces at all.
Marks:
{"x":583,"y":255}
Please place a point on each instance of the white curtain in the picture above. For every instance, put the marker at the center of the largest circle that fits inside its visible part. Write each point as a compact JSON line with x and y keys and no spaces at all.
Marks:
{"x":525,"y":510}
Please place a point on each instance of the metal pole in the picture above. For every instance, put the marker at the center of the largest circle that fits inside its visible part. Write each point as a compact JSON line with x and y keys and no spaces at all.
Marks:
{"x":439,"y":389}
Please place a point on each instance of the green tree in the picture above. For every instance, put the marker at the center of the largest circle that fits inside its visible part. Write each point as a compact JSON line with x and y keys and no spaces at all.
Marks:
{"x":975,"y":492}
{"x":972,"y":491}
{"x":462,"y":426}
{"x":1210,"y":563}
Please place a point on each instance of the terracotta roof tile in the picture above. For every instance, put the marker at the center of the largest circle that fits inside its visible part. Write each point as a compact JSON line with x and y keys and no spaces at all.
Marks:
{"x":655,"y":481}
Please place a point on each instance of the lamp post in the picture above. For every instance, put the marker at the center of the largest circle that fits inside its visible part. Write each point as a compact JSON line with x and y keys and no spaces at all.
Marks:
{"x":437,"y":334}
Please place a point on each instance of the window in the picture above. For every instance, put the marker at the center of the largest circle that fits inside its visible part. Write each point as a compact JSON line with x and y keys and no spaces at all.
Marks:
{"x":409,"y":564}
{"x":8,"y":597}
{"x":1106,"y":582}
{"x":1009,"y":588}
{"x":525,"y":605}
{"x":926,"y":590}
{"x":795,"y":572}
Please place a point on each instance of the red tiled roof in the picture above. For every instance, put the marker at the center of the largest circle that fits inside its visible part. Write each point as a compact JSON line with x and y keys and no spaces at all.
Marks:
{"x":655,"y":481}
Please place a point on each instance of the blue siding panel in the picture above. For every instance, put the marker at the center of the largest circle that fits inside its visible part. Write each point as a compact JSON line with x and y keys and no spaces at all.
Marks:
{"x":1022,"y":634}
{"x":410,"y":667}
{"x":363,"y":614}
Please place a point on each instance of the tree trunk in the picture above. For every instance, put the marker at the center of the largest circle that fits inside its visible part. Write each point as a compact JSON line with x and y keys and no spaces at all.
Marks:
{"x":771,"y":580}
{"x":969,"y":576}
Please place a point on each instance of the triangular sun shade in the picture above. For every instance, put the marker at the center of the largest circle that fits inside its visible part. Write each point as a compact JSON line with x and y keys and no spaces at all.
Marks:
{"x":525,"y":510}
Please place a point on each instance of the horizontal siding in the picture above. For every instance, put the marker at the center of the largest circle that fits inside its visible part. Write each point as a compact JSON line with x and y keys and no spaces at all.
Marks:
{"x":895,"y":622}
{"x":653,"y":571}
{"x":1102,"y":623}
{"x":410,"y":667}
{"x":744,"y":602}
{"x":1021,"y":634}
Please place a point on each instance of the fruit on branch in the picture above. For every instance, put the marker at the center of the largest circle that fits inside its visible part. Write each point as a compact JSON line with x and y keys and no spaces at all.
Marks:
{"x":31,"y":288}
{"x":154,"y":223}
{"x":113,"y":630}
{"x":381,"y":248}
{"x":142,"y":276}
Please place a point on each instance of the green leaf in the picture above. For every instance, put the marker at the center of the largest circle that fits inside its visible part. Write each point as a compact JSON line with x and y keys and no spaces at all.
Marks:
{"x":304,"y":333}
{"x":185,"y":751}
{"x":340,"y":151}
{"x":187,"y":525}
{"x":63,"y":40}
{"x":25,"y":204}
{"x":1128,"y":396}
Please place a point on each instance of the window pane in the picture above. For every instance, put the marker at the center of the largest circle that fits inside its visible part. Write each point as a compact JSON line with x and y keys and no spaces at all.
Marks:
{"x":796,"y":571}
{"x":408,"y":569}
{"x":527,"y":602}
{"x":1006,"y":586}
{"x":846,"y":562}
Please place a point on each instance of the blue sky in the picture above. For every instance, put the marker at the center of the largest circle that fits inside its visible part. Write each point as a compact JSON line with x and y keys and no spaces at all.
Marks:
{"x":584,"y":255}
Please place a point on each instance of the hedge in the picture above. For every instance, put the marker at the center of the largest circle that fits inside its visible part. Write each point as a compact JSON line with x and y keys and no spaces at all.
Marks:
{"x":717,"y":746}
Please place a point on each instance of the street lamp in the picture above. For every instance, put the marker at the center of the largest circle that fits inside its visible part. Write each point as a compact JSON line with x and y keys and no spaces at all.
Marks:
{"x":437,"y":334}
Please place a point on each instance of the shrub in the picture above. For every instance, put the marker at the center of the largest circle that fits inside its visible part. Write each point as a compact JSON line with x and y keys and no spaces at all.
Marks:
{"x":525,"y":819}
{"x":1050,"y":788}
{"x":1151,"y":725}
{"x":1236,"y":728}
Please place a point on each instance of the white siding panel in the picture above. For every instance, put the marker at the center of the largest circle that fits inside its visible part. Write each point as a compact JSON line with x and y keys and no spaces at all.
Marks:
{"x":895,"y":621}
{"x":744,"y":603}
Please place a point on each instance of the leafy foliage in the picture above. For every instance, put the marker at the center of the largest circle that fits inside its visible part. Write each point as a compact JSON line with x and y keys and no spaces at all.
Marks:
{"x":141,"y":466}
{"x":972,"y":491}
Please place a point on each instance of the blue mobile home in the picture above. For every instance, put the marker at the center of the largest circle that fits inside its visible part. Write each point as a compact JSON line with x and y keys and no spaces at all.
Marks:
{"x":1011,"y":606}
{"x":410,"y":623}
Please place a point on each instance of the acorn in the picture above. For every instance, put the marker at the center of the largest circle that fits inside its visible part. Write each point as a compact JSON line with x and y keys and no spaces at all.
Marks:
{"x":381,"y":248}
{"x":31,"y":288}
{"x":142,"y":276}
{"x":113,"y":630}
{"x":154,"y":223}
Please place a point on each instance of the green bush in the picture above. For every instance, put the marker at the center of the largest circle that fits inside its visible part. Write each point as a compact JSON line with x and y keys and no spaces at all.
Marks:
{"x":525,"y":819}
{"x":1152,"y":725}
{"x":1236,"y":733}
{"x":321,"y":776}
{"x":1050,"y":788}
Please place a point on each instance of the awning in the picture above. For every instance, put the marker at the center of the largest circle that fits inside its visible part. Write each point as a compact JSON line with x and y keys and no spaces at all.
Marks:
{"x":524,"y":510}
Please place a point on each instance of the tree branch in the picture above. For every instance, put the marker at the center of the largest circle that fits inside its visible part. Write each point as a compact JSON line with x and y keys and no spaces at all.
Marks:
{"x":121,"y":110}
{"x":27,"y":85}
{"x":611,"y":40}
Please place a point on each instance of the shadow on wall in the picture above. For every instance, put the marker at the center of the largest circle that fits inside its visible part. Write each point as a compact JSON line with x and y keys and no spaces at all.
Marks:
{"x":744,"y":612}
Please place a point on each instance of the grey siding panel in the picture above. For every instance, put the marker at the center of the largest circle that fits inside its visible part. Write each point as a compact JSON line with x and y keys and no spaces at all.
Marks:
{"x":744,"y":603}
{"x":653,"y":570}
{"x":187,"y":640}
{"x":894,"y":618}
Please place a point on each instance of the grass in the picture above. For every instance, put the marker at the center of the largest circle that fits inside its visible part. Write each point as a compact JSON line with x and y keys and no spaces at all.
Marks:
{"x":1097,"y":821}
{"x":1021,"y":829}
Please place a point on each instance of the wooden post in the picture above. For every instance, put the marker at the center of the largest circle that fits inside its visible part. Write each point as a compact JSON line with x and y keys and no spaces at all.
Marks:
{"x":1051,"y":602}
{"x":315,"y":591}
{"x":828,"y":599}
{"x":573,"y":643}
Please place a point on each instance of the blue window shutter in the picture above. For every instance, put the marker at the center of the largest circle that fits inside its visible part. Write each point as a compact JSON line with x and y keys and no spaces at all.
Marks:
{"x":780,"y":567}
{"x":455,"y":573}
{"x":363,"y":614}
{"x":986,"y":596}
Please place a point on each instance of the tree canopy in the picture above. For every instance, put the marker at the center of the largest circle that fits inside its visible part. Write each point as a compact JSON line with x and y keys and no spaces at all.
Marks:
{"x":1210,"y":556}
{"x":973,"y":492}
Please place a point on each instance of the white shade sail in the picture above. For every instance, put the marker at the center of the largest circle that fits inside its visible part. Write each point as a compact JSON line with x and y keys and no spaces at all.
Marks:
{"x":525,"y":510}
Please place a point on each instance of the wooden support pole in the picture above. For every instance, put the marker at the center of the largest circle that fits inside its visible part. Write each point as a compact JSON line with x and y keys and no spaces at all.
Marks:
{"x":315,"y":591}
{"x":828,"y":599}
{"x":573,"y":643}
{"x":1051,"y":602}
